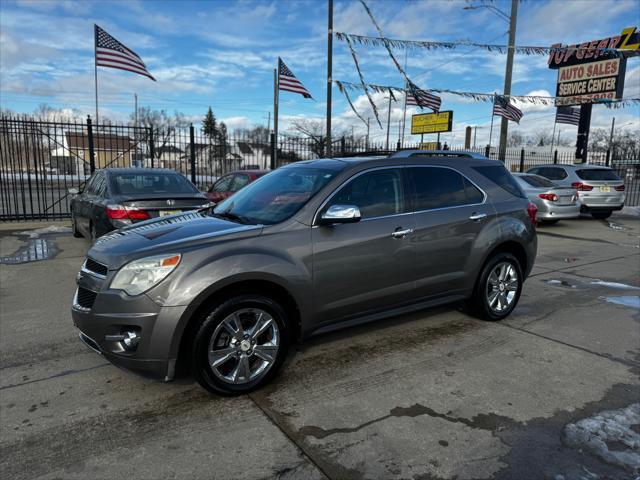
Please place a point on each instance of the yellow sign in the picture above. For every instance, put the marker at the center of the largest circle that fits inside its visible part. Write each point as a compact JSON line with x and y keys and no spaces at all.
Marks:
{"x":429,"y":146}
{"x":432,"y":122}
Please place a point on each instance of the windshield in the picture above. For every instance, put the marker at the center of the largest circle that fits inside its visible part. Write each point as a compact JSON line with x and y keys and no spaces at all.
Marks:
{"x":276,"y":196}
{"x":153,"y":183}
{"x":537,"y":181}
{"x":597,"y":174}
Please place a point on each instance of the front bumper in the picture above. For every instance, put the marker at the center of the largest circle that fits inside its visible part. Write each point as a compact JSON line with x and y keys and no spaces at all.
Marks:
{"x":113,"y":313}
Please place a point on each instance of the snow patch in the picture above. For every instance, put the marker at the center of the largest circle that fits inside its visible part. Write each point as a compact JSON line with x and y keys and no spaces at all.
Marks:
{"x":608,"y":435}
{"x":44,"y":231}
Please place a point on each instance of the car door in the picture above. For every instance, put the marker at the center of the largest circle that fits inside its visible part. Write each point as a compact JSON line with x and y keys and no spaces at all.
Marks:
{"x":450,"y":212}
{"x":82,"y":207}
{"x":362,"y":267}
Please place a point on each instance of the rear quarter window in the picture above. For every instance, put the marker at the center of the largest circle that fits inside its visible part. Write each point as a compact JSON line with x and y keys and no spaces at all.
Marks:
{"x":597,"y":174}
{"x":501,"y":177}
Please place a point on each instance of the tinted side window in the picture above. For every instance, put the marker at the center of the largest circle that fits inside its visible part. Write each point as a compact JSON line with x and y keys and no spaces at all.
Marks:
{"x":474,"y":195}
{"x":222,"y":185}
{"x":239,"y":182}
{"x":101,"y":186}
{"x":553,"y":173}
{"x":90,"y":189}
{"x":501,"y":177}
{"x":376,"y":194}
{"x":437,"y":188}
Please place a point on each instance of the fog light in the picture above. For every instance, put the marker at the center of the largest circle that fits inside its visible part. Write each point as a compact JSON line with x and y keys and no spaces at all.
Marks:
{"x":129,"y":339}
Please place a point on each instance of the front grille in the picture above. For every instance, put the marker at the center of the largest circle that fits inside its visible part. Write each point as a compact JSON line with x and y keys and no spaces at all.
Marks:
{"x":85,"y":298}
{"x":95,"y":267}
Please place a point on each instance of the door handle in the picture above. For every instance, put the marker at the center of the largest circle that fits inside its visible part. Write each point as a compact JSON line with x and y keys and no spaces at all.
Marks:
{"x":402,"y":233}
{"x":477,"y":216}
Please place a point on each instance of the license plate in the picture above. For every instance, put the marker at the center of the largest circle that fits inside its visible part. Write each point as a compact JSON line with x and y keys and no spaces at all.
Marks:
{"x":566,"y":200}
{"x":164,"y":213}
{"x":605,"y":189}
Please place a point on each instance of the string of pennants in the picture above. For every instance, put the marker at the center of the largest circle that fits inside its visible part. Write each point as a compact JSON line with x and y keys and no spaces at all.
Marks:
{"x":345,"y":87}
{"x":483,"y":97}
{"x":429,"y":45}
{"x":434,"y":101}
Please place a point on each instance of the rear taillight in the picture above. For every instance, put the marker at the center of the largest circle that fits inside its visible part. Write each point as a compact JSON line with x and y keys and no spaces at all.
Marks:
{"x":552,"y":197}
{"x":532,"y":210}
{"x":118,"y":212}
{"x":619,"y":188}
{"x":581,"y":187}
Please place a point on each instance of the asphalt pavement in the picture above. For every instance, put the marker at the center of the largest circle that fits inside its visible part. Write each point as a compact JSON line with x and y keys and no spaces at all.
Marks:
{"x":552,"y":392}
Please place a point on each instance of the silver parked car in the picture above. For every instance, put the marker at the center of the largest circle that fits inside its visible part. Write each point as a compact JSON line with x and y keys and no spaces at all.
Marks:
{"x":554,"y":202}
{"x":600,"y":189}
{"x":307,"y":248}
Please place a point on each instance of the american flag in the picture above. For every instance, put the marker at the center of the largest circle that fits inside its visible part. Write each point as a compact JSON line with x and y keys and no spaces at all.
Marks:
{"x":288,"y":81}
{"x":503,"y":108}
{"x":111,"y":53}
{"x":425,"y":99}
{"x":569,"y":115}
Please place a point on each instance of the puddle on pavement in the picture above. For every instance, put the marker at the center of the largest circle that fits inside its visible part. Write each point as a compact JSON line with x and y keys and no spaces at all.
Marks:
{"x":632,"y":301}
{"x":621,"y":286}
{"x":562,"y":283}
{"x":38,"y":245}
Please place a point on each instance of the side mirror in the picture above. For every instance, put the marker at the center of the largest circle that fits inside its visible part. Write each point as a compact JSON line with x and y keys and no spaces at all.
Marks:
{"x":73,"y":191}
{"x":340,"y":214}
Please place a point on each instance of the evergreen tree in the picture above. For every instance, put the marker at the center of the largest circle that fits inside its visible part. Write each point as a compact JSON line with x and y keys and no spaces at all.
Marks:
{"x":222,"y":133}
{"x":209,"y":126}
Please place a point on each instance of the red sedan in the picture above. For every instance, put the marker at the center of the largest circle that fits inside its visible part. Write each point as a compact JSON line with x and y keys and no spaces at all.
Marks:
{"x":226,"y":186}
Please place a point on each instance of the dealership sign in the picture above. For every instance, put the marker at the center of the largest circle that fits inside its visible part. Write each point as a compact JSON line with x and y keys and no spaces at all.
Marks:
{"x":592,"y":71}
{"x":586,"y":83}
{"x":436,"y":122}
{"x":627,"y":43}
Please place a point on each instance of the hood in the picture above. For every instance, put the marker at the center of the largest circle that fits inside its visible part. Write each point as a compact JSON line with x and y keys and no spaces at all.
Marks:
{"x":171,"y":234}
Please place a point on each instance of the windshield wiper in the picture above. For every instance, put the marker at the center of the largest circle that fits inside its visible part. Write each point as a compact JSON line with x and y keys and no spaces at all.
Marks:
{"x":231,"y":216}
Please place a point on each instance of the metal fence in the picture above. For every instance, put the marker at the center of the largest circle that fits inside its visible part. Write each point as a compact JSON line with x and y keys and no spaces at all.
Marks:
{"x":41,"y":160}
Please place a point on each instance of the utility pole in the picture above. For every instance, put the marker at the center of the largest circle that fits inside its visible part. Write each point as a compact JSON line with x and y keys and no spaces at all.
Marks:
{"x":388,"y":123}
{"x":475,"y":132}
{"x":368,"y":133}
{"x":268,"y":123}
{"x":504,"y":123}
{"x":329,"y":73}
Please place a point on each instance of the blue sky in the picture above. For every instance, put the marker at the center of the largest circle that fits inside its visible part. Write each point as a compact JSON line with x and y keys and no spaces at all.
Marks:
{"x":222,"y":53}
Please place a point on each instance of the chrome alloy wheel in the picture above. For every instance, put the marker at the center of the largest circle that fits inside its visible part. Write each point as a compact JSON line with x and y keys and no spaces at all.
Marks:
{"x":502,"y":286}
{"x":244,"y":346}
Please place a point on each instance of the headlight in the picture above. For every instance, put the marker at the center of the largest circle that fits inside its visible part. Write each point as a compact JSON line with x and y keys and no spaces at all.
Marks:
{"x":140,"y":275}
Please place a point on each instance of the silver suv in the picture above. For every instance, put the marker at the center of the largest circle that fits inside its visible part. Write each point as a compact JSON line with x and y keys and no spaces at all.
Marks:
{"x":308,"y":248}
{"x":600,"y":189}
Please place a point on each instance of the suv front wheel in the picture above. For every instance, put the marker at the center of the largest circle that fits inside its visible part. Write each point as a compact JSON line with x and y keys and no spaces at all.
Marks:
{"x":240,"y":344}
{"x":498,"y":288}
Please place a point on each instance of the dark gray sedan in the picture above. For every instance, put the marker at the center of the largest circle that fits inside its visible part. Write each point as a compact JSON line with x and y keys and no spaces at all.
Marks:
{"x":117,"y":197}
{"x":554,"y":202}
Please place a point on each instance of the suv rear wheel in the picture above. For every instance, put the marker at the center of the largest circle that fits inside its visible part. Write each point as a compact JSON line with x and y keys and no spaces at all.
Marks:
{"x":498,"y":288}
{"x":240,"y":344}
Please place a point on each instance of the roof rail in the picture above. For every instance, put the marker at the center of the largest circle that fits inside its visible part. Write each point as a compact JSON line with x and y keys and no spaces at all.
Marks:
{"x":436,"y":153}
{"x":368,"y":153}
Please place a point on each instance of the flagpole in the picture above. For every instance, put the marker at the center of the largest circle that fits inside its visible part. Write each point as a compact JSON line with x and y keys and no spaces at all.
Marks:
{"x":95,"y":65}
{"x":276,"y":98}
{"x":388,"y":122}
{"x":491,"y":129}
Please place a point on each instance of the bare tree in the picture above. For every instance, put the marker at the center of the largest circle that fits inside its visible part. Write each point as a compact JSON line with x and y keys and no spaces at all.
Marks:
{"x":161,"y":124}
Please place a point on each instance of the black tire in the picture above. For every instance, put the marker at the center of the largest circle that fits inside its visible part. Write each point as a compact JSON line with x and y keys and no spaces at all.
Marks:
{"x":548,"y":222}
{"x":602,"y":214}
{"x":74,"y":227}
{"x":478,"y":305}
{"x":212,"y":319}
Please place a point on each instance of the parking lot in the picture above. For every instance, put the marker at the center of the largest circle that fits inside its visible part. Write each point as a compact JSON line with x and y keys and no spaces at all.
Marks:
{"x":434,"y":395}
